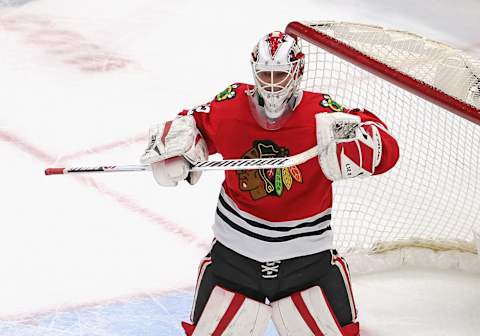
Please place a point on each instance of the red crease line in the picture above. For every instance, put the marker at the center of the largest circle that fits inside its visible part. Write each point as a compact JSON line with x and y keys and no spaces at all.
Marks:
{"x":124,"y":201}
{"x":105,"y":147}
{"x":24,"y":146}
{"x":133,"y":206}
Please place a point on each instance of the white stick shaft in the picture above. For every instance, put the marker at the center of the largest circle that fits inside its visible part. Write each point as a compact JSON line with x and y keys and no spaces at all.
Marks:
{"x":245,"y":164}
{"x":239,"y":164}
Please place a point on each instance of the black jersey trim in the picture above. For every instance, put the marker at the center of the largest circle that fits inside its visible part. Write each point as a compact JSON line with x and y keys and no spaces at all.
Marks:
{"x":249,"y":233}
{"x":274,"y":228}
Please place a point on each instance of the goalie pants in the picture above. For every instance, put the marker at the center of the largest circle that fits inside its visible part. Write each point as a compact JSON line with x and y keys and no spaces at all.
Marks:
{"x":275,"y":280}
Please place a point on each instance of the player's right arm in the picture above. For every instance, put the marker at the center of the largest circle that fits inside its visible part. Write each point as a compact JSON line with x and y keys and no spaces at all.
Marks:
{"x":172,"y":147}
{"x":175,"y":145}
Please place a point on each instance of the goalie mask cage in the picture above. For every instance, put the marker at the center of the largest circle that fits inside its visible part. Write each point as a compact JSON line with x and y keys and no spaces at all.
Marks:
{"x":428,"y":94}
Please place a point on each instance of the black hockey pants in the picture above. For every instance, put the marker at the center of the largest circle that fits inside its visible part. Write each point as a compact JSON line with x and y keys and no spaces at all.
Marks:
{"x":275,"y":280}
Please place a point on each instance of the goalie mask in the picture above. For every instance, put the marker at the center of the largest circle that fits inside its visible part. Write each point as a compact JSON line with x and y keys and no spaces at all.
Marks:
{"x":277,"y":65}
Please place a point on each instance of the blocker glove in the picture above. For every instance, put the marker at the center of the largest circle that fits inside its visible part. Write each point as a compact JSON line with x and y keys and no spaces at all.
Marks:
{"x":173,"y":147}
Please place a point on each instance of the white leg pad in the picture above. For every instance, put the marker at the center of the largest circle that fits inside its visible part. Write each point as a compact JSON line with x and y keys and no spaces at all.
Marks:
{"x":227,"y":313}
{"x":305,"y":313}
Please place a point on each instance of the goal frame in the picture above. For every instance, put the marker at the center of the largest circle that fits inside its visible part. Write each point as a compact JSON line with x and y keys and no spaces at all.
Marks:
{"x":461,"y":255}
{"x":367,"y":63}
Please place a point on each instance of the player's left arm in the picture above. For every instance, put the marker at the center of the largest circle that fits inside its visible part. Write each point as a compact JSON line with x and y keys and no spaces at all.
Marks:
{"x":354,"y":143}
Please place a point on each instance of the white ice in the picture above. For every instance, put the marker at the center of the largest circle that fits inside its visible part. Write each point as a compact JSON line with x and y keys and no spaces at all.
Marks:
{"x":68,"y":242}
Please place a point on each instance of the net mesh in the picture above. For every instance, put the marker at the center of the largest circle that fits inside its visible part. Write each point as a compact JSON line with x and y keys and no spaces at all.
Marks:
{"x":433,"y":194}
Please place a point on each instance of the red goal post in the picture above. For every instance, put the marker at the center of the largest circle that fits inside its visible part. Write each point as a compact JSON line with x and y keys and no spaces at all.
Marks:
{"x":429,"y":95}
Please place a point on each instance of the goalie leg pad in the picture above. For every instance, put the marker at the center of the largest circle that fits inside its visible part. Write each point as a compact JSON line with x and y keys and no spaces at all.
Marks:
{"x":229,"y":313}
{"x":308,"y":313}
{"x":342,"y":266}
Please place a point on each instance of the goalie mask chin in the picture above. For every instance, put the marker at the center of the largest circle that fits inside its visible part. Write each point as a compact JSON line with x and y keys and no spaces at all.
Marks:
{"x":271,"y":118}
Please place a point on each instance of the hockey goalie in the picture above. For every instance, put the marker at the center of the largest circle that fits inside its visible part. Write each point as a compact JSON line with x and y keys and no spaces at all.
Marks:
{"x":273,"y":256}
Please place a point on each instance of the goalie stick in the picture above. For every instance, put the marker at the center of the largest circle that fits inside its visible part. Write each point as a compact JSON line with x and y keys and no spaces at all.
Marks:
{"x":238,"y":164}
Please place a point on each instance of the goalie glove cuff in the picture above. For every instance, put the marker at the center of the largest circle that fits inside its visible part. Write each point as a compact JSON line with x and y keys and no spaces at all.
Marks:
{"x":169,"y":139}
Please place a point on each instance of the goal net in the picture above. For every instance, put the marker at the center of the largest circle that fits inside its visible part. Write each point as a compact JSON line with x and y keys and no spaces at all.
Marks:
{"x":429,"y":96}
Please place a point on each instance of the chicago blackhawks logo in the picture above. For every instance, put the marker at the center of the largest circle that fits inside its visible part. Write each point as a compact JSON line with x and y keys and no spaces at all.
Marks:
{"x":228,"y":93}
{"x":329,"y":103}
{"x":264,"y":182}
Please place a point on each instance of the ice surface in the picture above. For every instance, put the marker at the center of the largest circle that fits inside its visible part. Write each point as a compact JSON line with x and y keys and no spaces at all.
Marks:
{"x":81,"y":81}
{"x":395,"y":303}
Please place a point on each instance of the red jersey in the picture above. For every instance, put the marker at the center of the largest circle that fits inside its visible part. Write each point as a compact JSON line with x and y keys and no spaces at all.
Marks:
{"x":274,"y":214}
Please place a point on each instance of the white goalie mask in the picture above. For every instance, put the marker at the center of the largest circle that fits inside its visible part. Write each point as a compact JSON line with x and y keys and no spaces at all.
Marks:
{"x":277,"y":65}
